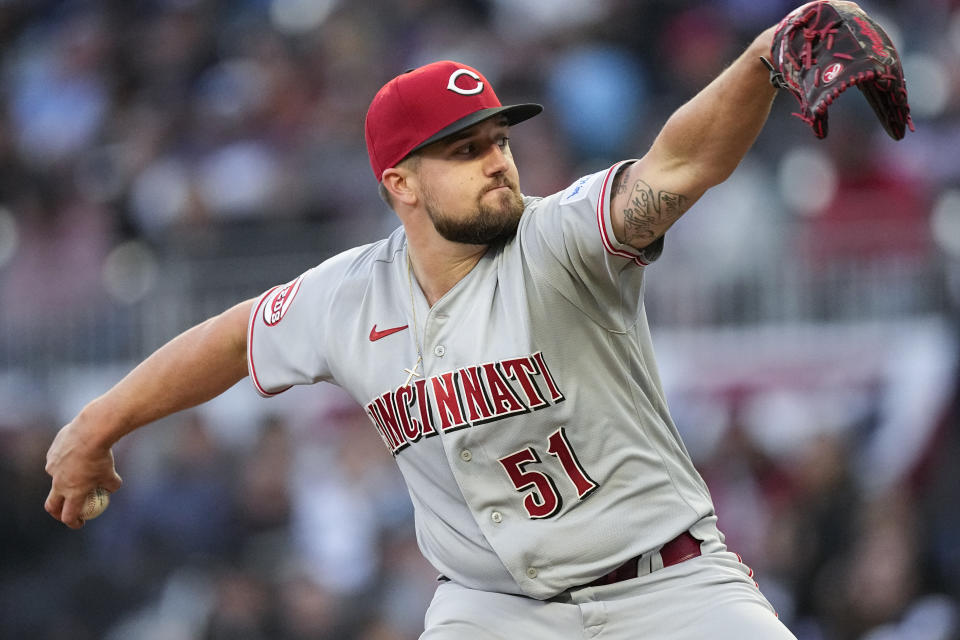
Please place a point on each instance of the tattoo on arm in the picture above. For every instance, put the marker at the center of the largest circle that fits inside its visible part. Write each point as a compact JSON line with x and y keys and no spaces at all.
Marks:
{"x":619,"y":188}
{"x":647,"y":215}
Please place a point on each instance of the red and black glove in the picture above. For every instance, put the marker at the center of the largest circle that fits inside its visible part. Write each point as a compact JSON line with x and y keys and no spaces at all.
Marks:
{"x":827,"y":46}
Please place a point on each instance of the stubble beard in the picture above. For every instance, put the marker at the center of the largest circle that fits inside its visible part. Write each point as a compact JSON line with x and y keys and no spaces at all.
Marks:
{"x":490,"y":223}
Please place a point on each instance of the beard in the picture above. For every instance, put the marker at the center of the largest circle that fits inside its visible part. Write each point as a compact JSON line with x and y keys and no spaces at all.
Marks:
{"x":489,"y":223}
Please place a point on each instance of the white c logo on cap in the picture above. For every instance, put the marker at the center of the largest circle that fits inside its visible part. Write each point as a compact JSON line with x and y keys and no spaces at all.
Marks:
{"x":452,"y":84}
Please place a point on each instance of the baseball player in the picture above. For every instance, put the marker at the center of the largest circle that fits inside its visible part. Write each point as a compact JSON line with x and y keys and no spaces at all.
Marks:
{"x":499,"y":345}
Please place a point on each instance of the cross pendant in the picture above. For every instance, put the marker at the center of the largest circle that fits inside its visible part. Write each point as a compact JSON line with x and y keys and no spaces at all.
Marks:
{"x":413,"y":371}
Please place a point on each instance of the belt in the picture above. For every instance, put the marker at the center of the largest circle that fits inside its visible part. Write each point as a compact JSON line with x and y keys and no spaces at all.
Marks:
{"x":681,"y":548}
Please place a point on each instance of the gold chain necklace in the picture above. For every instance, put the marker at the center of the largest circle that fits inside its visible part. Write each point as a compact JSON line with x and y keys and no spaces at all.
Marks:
{"x":412,"y":371}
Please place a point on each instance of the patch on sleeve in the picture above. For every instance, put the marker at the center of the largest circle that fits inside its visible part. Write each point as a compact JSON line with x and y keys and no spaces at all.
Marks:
{"x":579,"y":190}
{"x":279,"y":303}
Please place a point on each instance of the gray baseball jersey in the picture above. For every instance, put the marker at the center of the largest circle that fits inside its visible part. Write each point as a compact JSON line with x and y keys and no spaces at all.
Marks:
{"x":534,"y":439}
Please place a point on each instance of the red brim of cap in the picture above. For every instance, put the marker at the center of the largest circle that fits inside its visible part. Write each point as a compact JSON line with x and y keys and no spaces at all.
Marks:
{"x":515,"y":113}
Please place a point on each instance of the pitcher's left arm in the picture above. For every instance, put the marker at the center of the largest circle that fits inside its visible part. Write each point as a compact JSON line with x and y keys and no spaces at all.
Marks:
{"x":699,"y":147}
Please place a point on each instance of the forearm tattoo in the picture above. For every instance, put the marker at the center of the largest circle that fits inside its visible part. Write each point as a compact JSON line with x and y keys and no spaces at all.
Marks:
{"x":646,"y":215}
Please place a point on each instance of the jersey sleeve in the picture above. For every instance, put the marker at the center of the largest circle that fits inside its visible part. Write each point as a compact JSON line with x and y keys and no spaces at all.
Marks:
{"x":569,"y":241}
{"x":285,"y":334}
{"x":599,"y":196}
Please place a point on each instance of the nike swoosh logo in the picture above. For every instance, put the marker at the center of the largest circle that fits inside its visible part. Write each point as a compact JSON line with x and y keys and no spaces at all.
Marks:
{"x":376,"y":335}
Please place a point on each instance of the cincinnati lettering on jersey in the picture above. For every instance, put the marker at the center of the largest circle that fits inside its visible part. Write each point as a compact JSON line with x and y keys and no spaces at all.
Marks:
{"x":463,"y":398}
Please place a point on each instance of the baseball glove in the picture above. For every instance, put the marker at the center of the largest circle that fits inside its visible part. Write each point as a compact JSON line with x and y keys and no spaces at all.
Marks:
{"x":825,"y":47}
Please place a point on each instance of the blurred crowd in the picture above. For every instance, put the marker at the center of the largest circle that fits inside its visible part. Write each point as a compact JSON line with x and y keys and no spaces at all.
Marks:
{"x":156,"y":132}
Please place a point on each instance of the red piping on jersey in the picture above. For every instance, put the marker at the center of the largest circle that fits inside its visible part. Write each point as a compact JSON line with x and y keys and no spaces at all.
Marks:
{"x":253,"y":369}
{"x":601,"y":220}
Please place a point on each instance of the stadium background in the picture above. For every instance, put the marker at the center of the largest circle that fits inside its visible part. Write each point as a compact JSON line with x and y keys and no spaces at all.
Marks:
{"x":163,"y":159}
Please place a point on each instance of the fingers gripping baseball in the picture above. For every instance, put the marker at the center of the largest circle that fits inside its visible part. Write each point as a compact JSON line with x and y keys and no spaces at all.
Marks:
{"x":77,"y":469}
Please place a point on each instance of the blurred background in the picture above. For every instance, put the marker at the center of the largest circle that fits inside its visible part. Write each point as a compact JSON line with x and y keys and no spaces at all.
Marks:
{"x":161,"y":160}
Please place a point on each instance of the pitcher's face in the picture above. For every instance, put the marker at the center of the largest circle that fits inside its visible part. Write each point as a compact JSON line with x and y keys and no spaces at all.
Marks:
{"x":469,"y":184}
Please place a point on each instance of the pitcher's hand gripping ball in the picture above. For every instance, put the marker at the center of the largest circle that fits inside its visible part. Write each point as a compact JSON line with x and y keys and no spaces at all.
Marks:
{"x":825,"y":47}
{"x":96,"y":503}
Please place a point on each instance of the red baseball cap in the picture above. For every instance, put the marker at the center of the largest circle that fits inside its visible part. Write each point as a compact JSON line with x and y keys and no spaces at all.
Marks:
{"x":426,"y":104}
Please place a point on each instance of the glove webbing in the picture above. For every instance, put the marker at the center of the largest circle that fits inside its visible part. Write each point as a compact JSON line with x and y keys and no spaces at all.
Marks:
{"x":812,"y":34}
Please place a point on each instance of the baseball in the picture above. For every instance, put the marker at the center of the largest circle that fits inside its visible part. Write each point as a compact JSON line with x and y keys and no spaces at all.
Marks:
{"x":95,"y":504}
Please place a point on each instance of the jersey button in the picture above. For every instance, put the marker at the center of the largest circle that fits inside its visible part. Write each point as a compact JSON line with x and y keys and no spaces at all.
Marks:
{"x":466,"y":456}
{"x":531,"y":573}
{"x":439,"y":350}
{"x":497,"y":517}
